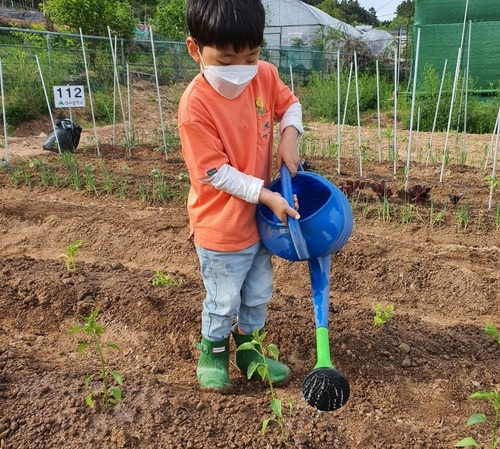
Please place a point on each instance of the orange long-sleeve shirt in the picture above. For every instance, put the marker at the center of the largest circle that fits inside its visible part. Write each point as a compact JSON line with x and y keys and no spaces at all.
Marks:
{"x":215,"y":131}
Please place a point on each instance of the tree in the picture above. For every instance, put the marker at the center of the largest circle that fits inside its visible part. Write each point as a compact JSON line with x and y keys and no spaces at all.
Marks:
{"x":353,"y":13}
{"x":144,"y":8}
{"x":349,"y":11}
{"x":92,"y":16}
{"x":169,"y":20}
{"x":331,"y":7}
{"x":372,"y":17}
{"x":404,"y":15}
{"x":329,"y":39}
{"x":406,"y":10}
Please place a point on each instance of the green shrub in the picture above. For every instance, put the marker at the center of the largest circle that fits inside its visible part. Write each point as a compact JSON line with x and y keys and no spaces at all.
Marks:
{"x":103,"y":107}
{"x":481,"y":110}
{"x":319,"y":96}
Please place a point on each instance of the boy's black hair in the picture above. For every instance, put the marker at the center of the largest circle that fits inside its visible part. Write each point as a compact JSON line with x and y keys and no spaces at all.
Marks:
{"x":236,"y":24}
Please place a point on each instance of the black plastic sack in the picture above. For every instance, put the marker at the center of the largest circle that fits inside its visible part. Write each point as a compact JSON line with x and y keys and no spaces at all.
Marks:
{"x":68,"y":135}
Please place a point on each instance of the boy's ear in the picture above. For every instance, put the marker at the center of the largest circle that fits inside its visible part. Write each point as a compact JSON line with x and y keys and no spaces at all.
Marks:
{"x":192,"y":48}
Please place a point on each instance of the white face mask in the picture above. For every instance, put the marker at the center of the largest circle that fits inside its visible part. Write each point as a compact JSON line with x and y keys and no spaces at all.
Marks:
{"x":229,"y":80}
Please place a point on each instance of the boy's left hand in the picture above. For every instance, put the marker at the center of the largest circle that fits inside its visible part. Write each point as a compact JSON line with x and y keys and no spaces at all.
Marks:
{"x":279,"y":205}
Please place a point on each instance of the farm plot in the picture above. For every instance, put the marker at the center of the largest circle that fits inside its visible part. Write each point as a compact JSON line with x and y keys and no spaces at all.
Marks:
{"x":433,"y":256}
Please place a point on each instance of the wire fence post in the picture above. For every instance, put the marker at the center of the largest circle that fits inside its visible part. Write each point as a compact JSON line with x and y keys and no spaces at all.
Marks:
{"x":4,"y":115}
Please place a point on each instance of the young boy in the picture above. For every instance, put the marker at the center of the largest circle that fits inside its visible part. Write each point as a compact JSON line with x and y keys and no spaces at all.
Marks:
{"x":226,"y":117}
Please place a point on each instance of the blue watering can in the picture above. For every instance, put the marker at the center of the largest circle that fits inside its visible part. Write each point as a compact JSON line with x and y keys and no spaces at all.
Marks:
{"x":325,"y":222}
{"x":324,"y":227}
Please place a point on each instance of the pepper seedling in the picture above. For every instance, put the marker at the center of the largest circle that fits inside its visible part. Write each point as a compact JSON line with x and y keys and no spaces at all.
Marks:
{"x":94,"y":330}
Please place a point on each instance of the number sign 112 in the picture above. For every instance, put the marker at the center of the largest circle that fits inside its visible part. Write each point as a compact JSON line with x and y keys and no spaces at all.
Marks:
{"x":69,"y":96}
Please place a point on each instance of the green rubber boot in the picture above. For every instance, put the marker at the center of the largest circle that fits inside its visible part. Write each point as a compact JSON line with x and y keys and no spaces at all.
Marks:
{"x":213,"y":365}
{"x":279,"y":373}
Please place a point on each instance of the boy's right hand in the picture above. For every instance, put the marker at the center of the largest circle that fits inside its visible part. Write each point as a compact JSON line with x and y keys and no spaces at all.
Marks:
{"x":279,"y":205}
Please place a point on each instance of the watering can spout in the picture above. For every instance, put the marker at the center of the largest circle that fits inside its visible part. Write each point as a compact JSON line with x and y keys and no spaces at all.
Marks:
{"x":324,"y":227}
{"x":323,"y":349}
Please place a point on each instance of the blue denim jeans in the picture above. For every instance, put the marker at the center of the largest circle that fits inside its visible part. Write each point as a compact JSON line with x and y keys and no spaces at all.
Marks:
{"x":239,"y":285}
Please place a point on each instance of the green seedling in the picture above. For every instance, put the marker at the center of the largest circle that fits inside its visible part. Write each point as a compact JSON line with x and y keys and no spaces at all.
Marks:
{"x":160,"y":188}
{"x":70,"y":255}
{"x":89,"y":143}
{"x":94,"y":330}
{"x":493,"y":397}
{"x":365,"y":207}
{"x":408,"y":213}
{"x":436,"y":218}
{"x":364,"y":152}
{"x":382,"y":315}
{"x":16,"y":174}
{"x":4,"y":165}
{"x":493,"y":181}
{"x":172,"y":138}
{"x":480,"y":220}
{"x":446,"y":157}
{"x":492,"y":331}
{"x":44,"y":170}
{"x":26,"y":176}
{"x":161,"y":279}
{"x":143,"y":192}
{"x":462,"y":158}
{"x":401,"y":175}
{"x":383,"y":210}
{"x":184,"y":180}
{"x":463,"y":215}
{"x":68,"y":159}
{"x":89,"y":174}
{"x":107,"y":180}
{"x":262,"y":369}
{"x":122,"y":188}
{"x":333,"y":149}
{"x":132,"y":140}
{"x":75,"y":178}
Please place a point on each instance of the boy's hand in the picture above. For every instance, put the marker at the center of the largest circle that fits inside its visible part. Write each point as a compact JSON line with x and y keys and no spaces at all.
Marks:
{"x":279,"y":205}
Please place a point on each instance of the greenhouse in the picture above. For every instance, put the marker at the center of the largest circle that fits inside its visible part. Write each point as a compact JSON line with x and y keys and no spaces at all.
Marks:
{"x":290,"y":20}
{"x":292,"y":25}
{"x":450,"y":29}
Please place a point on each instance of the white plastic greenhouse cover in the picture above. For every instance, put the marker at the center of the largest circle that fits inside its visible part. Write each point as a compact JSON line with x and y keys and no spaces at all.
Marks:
{"x":377,"y":40}
{"x":292,"y":19}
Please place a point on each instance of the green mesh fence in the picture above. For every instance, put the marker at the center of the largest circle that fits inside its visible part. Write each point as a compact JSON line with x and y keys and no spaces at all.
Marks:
{"x":301,"y":60}
{"x":441,"y":24}
{"x":453,"y":11}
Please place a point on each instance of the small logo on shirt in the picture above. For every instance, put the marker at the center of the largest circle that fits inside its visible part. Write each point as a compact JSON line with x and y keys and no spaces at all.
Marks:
{"x":266,"y":130}
{"x":212,"y":171}
{"x":259,"y":103}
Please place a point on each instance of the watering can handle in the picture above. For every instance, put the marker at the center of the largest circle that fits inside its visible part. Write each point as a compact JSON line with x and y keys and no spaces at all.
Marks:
{"x":298,"y":240}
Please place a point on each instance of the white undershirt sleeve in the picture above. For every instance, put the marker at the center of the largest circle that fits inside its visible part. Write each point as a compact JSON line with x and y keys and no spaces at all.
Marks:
{"x":243,"y":186}
{"x":236,"y":183}
{"x":292,"y":117}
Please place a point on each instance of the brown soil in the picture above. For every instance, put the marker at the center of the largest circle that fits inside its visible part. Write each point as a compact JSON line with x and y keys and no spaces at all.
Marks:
{"x":410,"y":378}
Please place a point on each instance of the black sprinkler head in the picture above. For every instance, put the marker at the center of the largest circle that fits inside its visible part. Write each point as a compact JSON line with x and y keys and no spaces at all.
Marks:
{"x":326,"y":389}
